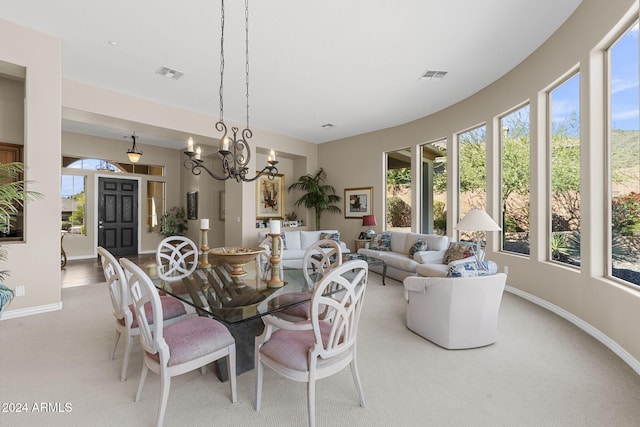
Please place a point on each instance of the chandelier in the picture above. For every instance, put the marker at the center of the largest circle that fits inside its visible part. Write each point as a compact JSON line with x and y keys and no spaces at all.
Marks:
{"x":234,"y":151}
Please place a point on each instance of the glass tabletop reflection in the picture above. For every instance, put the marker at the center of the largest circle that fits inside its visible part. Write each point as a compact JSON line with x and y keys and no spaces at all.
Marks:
{"x":214,"y":292}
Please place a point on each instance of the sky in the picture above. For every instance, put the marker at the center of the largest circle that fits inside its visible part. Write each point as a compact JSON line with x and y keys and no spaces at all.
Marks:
{"x":625,"y":105}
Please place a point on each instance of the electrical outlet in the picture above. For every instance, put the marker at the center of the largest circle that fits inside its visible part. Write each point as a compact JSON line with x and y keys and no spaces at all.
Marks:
{"x":19,"y":291}
{"x":506,"y":270}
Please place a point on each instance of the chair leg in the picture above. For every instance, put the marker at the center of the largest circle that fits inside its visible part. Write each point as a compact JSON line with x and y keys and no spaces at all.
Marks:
{"x":127,"y":355}
{"x":115,"y":345}
{"x":165,"y":380}
{"x":311,"y":401}
{"x":259,"y":373}
{"x":143,"y":377}
{"x":356,"y":379}
{"x":231,"y":368}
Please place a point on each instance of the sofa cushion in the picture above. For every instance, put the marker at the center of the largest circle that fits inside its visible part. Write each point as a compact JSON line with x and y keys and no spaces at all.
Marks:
{"x":465,"y":267}
{"x":293,"y":240}
{"x":399,"y":242}
{"x":436,"y":242}
{"x":373,"y":253}
{"x":419,"y":245}
{"x":429,"y":257}
{"x":432,"y":270}
{"x":308,"y":238}
{"x":381,"y":242}
{"x":459,"y":250}
{"x":329,"y":236}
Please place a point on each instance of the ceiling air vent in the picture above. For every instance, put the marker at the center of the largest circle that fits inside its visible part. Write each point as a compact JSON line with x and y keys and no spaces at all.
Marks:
{"x":328,"y":126}
{"x":433,"y":75}
{"x":170,"y":73}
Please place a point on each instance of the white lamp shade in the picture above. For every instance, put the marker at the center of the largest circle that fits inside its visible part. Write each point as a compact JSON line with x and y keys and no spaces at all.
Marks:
{"x":477,"y":220}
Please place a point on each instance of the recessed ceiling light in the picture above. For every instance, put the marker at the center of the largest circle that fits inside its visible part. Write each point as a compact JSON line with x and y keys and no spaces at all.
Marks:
{"x":170,"y":73}
{"x":328,"y":125}
{"x":113,"y":42}
{"x":433,"y":75}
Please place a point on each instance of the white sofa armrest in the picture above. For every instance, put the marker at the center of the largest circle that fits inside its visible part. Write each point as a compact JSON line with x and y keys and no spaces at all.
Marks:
{"x":415,"y":284}
{"x":429,"y":257}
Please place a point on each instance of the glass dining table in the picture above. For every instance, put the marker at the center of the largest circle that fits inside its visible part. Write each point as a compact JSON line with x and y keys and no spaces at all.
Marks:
{"x":238,"y":302}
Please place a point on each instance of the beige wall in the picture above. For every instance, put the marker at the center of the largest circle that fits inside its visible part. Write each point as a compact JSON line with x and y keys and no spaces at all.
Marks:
{"x":611,"y":308}
{"x":35,"y":263}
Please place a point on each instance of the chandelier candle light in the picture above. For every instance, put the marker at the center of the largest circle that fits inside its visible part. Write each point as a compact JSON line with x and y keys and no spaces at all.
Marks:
{"x":234,"y":151}
{"x":275,"y":281}
{"x":204,"y":258}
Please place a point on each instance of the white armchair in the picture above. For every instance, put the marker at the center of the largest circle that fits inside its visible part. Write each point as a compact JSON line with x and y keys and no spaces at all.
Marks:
{"x":455,"y":312}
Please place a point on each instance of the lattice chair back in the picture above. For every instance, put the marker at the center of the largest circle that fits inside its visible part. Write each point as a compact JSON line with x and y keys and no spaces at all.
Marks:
{"x":177,"y":257}
{"x":321,"y":257}
{"x":117,"y":284}
{"x":143,"y":292}
{"x":341,"y":293}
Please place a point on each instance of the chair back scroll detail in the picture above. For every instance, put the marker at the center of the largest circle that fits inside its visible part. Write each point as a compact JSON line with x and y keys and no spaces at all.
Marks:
{"x":177,"y":257}
{"x":142,"y":292}
{"x":338,"y":296}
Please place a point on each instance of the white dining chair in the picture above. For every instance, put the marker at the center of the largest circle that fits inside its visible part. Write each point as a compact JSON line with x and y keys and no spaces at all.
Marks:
{"x":126,"y":320}
{"x":180,"y":347}
{"x":310,"y":350}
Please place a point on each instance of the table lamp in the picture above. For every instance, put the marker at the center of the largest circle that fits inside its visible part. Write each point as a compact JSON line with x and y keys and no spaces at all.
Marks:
{"x":369,"y":221}
{"x":477,"y":220}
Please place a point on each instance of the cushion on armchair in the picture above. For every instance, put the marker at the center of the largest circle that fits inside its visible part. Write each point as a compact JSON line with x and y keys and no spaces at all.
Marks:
{"x":459,"y":250}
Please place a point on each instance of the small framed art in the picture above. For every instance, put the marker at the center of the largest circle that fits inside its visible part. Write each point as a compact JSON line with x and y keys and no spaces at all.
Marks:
{"x":358,"y":202}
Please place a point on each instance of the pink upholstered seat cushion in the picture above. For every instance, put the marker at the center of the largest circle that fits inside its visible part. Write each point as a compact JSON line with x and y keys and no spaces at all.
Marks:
{"x":301,"y":310}
{"x":291,"y":348}
{"x":171,"y":308}
{"x":194,"y":337}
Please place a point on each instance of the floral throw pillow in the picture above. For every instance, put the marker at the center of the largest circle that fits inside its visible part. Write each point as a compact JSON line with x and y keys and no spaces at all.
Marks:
{"x":419,"y":245}
{"x":459,"y":250}
{"x":381,"y":242}
{"x":329,"y":236}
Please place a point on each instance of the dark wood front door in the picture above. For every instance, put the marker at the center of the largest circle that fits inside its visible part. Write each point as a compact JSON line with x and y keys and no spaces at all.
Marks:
{"x":118,"y":215}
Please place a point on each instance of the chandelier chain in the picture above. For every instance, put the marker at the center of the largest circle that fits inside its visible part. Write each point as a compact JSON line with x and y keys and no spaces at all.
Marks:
{"x":234,"y":151}
{"x":221,"y":60}
{"x":246,"y":42}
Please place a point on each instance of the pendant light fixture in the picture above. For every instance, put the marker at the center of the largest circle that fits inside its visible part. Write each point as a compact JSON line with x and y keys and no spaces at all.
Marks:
{"x":133,"y":153}
{"x":234,"y":151}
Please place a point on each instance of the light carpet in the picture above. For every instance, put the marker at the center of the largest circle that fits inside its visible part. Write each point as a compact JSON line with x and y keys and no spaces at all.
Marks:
{"x":543,"y":371}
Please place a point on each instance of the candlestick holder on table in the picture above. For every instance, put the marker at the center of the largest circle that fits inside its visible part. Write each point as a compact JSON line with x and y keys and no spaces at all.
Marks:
{"x":274,"y":260}
{"x":204,"y":248}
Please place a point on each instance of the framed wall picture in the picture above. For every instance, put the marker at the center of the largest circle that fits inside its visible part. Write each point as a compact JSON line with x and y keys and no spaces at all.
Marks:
{"x":192,"y":205}
{"x":222,"y":206}
{"x":358,"y":202}
{"x":270,"y":197}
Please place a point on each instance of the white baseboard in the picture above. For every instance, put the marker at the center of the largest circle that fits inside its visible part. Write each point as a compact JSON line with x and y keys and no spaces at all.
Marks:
{"x":12,"y":314}
{"x":586,"y":327}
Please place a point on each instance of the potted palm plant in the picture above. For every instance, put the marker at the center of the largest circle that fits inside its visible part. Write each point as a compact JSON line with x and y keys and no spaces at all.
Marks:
{"x":13,"y":196}
{"x":318,"y":196}
{"x":173,"y":222}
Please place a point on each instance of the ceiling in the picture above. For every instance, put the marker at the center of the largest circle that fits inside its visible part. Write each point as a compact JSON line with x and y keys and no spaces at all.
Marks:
{"x":354,"y":64}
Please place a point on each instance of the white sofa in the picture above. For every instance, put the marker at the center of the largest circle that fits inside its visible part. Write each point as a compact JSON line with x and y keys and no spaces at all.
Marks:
{"x":399,"y":263}
{"x":455,"y":312}
{"x":296,"y":243}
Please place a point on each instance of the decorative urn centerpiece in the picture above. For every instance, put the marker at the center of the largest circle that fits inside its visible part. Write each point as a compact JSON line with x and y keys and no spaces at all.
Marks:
{"x":236,"y":257}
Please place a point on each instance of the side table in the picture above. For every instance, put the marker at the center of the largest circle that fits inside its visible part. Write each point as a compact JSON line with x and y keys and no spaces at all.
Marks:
{"x":362,"y":243}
